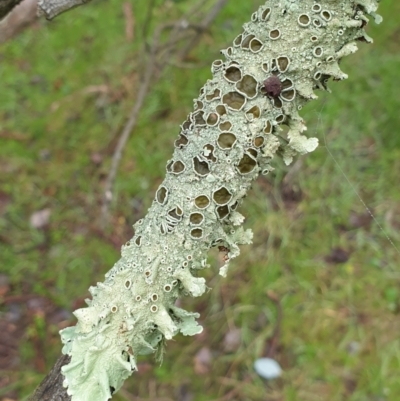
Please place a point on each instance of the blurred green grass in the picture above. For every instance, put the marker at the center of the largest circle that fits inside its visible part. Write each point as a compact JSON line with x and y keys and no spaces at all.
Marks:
{"x":339,"y":332}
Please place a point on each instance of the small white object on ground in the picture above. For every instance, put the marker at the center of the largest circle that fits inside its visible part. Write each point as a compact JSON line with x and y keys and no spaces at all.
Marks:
{"x":267,"y":368}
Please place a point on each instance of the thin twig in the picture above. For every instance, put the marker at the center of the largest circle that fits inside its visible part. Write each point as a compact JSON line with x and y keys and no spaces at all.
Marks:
{"x":129,"y":21}
{"x":143,"y":89}
{"x":6,"y":6}
{"x":274,"y":341}
{"x":204,"y":26}
{"x":157,"y":58}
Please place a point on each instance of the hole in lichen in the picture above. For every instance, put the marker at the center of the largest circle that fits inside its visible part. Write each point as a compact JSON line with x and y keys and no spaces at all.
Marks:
{"x":162,"y":229}
{"x":161,"y":195}
{"x":316,"y":22}
{"x":248,"y":86}
{"x":217,"y":64}
{"x":208,"y":153}
{"x":246,"y":41}
{"x":317,"y":75}
{"x":277,"y":102}
{"x":283,"y":63}
{"x":268,"y":127}
{"x":233,"y":74}
{"x":222,"y":196}
{"x":154,"y":308}
{"x":316,"y":8}
{"x":147,"y":273}
{"x":265,"y":67}
{"x":154,"y":297}
{"x":280,"y":118}
{"x":198,"y":118}
{"x":138,"y":298}
{"x":222,"y":211}
{"x":215,"y":95}
{"x":225,"y":126}
{"x":266,"y":13}
{"x":275,"y":34}
{"x":253,"y":152}
{"x":167,"y":288}
{"x":200,"y":167}
{"x":176,"y":213}
{"x":177,"y":167}
{"x":138,"y":240}
{"x":114,"y":309}
{"x":196,"y":218}
{"x":258,"y":141}
{"x":318,"y":51}
{"x":220,"y":109}
{"x":226,"y":140}
{"x":186,"y":124}
{"x":255,"y":45}
{"x":212,"y":119}
{"x":196,"y":233}
{"x":199,"y":104}
{"x":287,"y":83}
{"x":128,"y":284}
{"x":255,"y":111}
{"x":288,"y":95}
{"x":181,"y":142}
{"x":234,"y":100}
{"x":326,"y":15}
{"x":202,"y":201}
{"x":304,"y":20}
{"x":238,"y":40}
{"x":314,"y":38}
{"x":246,"y":164}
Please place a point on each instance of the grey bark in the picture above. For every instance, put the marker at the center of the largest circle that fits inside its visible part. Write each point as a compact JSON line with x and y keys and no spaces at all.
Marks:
{"x":6,"y":6}
{"x":51,"y":388}
{"x":52,"y":8}
{"x":18,"y":19}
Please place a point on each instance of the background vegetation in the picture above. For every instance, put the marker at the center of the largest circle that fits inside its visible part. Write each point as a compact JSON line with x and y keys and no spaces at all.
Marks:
{"x":318,"y":290}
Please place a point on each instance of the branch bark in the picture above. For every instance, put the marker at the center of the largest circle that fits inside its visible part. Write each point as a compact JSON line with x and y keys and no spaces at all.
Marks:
{"x":51,"y":8}
{"x":6,"y":6}
{"x":288,"y":50}
{"x":18,"y":19}
{"x":51,"y":388}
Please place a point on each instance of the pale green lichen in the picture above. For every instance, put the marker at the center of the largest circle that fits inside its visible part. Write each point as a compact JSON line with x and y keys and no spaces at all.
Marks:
{"x":230,"y":138}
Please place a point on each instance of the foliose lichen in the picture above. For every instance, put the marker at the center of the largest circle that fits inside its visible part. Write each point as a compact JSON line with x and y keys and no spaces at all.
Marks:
{"x":289,"y":49}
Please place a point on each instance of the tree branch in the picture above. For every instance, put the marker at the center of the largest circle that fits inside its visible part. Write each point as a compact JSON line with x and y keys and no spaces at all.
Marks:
{"x":6,"y":6}
{"x":51,"y":8}
{"x":51,"y":388}
{"x":288,"y":50}
{"x":18,"y":19}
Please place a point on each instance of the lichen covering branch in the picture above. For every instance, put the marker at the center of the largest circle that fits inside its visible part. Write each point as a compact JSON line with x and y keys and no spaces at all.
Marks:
{"x":289,"y":49}
{"x":51,"y":8}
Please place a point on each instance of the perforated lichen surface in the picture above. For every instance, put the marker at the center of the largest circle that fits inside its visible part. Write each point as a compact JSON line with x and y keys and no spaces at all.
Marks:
{"x":289,"y":49}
